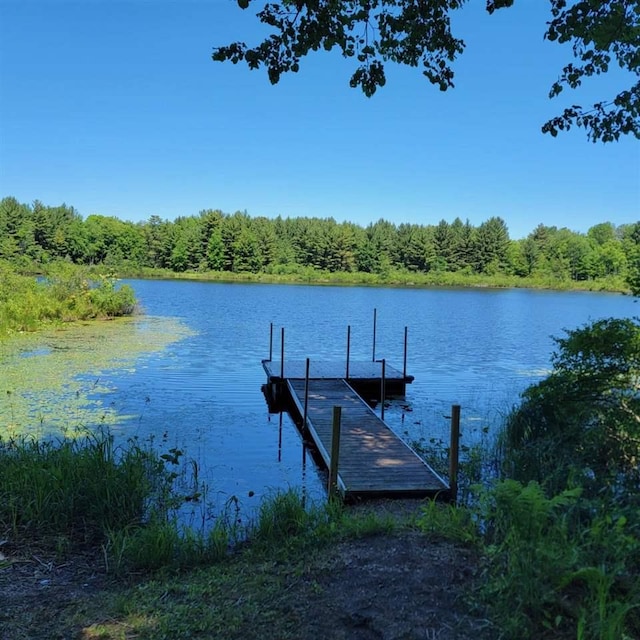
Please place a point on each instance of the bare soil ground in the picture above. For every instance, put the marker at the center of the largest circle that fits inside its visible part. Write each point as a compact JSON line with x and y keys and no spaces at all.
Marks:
{"x":398,"y":586}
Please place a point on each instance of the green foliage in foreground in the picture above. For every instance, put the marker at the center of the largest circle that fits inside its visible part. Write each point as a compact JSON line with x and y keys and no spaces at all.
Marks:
{"x":128,"y":497}
{"x":554,"y":567}
{"x":563,"y":533}
{"x":66,"y":294}
{"x":560,"y":566}
{"x":581,"y":425}
{"x":76,"y":490}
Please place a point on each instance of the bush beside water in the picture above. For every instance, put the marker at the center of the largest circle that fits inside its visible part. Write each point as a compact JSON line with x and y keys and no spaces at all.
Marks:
{"x":67,"y":293}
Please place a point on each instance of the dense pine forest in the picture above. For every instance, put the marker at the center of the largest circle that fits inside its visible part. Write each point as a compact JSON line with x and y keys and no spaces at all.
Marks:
{"x":239,"y":243}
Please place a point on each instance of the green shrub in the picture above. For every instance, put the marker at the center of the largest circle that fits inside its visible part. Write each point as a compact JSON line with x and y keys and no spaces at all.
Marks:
{"x":68,"y":293}
{"x":581,"y":425}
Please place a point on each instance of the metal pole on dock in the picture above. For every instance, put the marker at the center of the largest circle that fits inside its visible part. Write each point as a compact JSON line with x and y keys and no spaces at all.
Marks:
{"x":306,"y":398}
{"x":382,"y":388}
{"x":332,"y":489}
{"x":375,"y":319}
{"x":282,"y":355}
{"x":270,"y":341}
{"x":454,"y":452}
{"x":348,"y":349}
{"x":404,"y":361}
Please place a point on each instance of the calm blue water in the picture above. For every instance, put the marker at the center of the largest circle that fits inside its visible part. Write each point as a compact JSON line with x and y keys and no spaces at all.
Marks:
{"x":478,"y":348}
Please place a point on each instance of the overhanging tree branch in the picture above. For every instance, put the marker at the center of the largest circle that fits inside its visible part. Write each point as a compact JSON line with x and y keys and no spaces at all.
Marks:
{"x":417,"y":33}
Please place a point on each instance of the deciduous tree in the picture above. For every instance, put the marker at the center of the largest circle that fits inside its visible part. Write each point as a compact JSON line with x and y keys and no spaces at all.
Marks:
{"x":417,"y":33}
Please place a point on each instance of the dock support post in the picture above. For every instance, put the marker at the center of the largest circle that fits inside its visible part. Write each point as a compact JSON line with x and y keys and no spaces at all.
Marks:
{"x":348,"y":349}
{"x":375,"y":319}
{"x":332,"y":489}
{"x":282,"y":355}
{"x":454,"y":453}
{"x":306,"y":399}
{"x":280,"y":438}
{"x":382,"y":388}
{"x":270,"y":341}
{"x":404,"y":361}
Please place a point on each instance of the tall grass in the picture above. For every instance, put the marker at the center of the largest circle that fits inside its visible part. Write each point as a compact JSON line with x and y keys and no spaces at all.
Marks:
{"x":88,"y":491}
{"x":76,"y":488}
{"x":68,"y":293}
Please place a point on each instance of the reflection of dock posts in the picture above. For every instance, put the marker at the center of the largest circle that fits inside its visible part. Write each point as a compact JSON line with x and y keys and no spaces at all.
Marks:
{"x":278,"y":386}
{"x":332,"y":489}
{"x":375,"y":315}
{"x":404,"y":360}
{"x":282,"y":355}
{"x":382,"y":388}
{"x":454,"y":453}
{"x":348,"y":350}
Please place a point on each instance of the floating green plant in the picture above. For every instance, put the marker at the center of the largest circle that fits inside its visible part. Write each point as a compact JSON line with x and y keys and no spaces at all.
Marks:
{"x":51,"y":380}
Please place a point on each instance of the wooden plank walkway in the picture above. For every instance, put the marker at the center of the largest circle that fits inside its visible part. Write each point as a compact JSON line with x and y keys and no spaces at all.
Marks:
{"x":373,"y":460}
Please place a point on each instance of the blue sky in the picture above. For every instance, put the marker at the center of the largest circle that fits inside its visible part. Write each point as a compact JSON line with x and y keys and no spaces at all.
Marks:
{"x":115,"y":107}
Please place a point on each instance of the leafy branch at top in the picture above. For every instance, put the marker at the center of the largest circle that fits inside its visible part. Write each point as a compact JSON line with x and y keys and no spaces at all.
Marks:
{"x":417,"y":33}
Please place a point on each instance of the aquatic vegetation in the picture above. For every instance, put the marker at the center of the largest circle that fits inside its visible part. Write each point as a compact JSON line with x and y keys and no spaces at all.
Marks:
{"x":52,"y":380}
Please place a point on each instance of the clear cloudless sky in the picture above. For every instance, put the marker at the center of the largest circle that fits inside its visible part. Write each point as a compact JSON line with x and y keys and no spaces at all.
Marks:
{"x":115,"y":107}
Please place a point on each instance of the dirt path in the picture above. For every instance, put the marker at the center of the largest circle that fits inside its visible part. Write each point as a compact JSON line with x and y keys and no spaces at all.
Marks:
{"x":398,"y":586}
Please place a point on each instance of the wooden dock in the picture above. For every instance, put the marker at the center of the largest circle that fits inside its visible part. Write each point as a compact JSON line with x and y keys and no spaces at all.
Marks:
{"x":364,"y":377}
{"x":373,"y":460}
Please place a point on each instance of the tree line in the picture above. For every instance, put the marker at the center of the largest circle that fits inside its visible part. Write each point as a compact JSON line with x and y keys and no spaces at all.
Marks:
{"x":217,"y":241}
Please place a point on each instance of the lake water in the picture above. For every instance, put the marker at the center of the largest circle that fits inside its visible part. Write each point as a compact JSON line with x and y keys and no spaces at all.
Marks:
{"x":202,"y":393}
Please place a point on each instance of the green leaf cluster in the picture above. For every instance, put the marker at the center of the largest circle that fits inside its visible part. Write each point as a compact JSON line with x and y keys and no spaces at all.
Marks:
{"x":581,"y":425}
{"x":418,"y":34}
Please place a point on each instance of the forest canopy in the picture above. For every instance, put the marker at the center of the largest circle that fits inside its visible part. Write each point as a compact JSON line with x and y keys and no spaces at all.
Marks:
{"x":238,"y":243}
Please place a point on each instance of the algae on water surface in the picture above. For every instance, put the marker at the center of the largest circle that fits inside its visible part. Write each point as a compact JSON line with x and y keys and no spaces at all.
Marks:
{"x":51,"y":380}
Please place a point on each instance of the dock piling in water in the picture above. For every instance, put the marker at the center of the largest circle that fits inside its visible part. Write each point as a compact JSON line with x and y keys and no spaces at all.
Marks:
{"x":348,"y":349}
{"x":282,"y":354}
{"x":383,"y":380}
{"x":332,"y":489}
{"x":404,"y":359}
{"x":454,"y":453}
{"x":270,"y":341}
{"x":375,"y":322}
{"x":306,"y":397}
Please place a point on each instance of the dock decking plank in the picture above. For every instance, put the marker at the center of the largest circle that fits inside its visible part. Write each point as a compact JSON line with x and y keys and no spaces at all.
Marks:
{"x":373,"y":460}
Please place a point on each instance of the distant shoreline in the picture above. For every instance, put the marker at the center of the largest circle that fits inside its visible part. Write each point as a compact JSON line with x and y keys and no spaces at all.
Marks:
{"x":395,"y":279}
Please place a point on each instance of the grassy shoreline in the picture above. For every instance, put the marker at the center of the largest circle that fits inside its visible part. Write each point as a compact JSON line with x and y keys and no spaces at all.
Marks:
{"x":65,"y":294}
{"x":514,"y":564}
{"x":392,"y":279}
